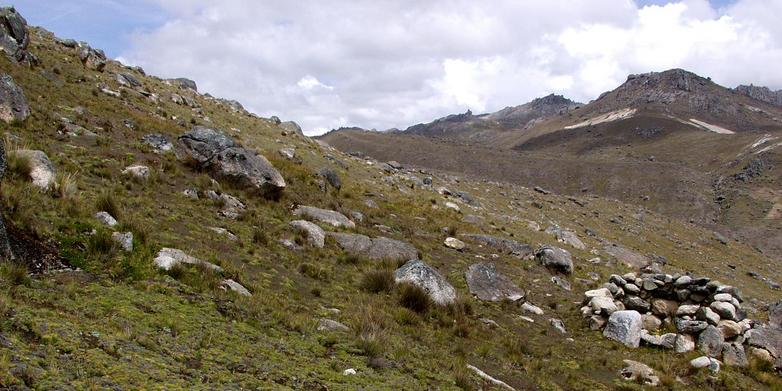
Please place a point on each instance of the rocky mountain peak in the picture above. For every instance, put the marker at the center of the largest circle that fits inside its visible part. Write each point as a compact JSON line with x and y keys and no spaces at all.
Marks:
{"x":760,"y":93}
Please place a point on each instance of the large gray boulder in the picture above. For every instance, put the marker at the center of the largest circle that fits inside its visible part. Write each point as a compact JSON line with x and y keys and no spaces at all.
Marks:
{"x":13,"y":104}
{"x":377,"y":249}
{"x":624,"y":327}
{"x":329,"y":217}
{"x":710,"y":341}
{"x":291,"y":127}
{"x":94,"y":59}
{"x":506,"y":245}
{"x":427,"y":278}
{"x":486,"y":283}
{"x":556,"y":259}
{"x":213,"y":150}
{"x":14,"y":36}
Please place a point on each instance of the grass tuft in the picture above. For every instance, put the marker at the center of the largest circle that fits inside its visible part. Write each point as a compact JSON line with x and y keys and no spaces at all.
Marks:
{"x":376,"y":281}
{"x":414,"y":298}
{"x":107,"y":203}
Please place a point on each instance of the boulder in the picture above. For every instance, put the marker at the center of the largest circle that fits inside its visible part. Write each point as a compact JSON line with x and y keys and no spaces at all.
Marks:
{"x":158,"y":142}
{"x":664,"y":308}
{"x":137,"y":171}
{"x":331,"y":176}
{"x":231,"y":207}
{"x":430,"y":280}
{"x":168,"y":258}
{"x":602,"y":305}
{"x":213,"y":150}
{"x":325,"y":324}
{"x":640,"y":373}
{"x":291,"y":128}
{"x":558,"y":325}
{"x":636,"y":303}
{"x":567,"y":237}
{"x":124,"y":240}
{"x":707,"y":314}
{"x":629,"y":257}
{"x":687,"y":310}
{"x":624,"y":327}
{"x":531,"y":308}
{"x":288,"y":153}
{"x":690,"y":326}
{"x":330,"y":217}
{"x":233,"y":286}
{"x":766,"y":337}
{"x":93,"y":59}
{"x":127,"y":80}
{"x":775,"y":315}
{"x":43,"y":173}
{"x":454,"y":243}
{"x":377,"y":249}
{"x":555,"y":259}
{"x":505,"y":245}
{"x":13,"y":104}
{"x":486,"y":283}
{"x":651,"y":322}
{"x":184,"y":83}
{"x":602,"y":292}
{"x":710,"y":341}
{"x":315,"y":234}
{"x":14,"y":37}
{"x":729,"y":328}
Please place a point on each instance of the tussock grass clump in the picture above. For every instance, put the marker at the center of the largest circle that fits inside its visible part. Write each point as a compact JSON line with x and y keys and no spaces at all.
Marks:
{"x":371,"y":326}
{"x":314,"y":271}
{"x":107,"y":203}
{"x":260,"y":237}
{"x":65,"y":186}
{"x":414,"y":298}
{"x":19,"y":166}
{"x":376,"y":281}
{"x":14,"y":273}
{"x":101,"y":245}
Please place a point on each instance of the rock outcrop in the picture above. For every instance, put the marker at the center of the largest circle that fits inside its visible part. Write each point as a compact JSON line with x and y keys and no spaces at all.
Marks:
{"x":330,"y":217}
{"x":42,"y":171}
{"x":556,"y":259}
{"x":14,"y":37}
{"x":316,"y":237}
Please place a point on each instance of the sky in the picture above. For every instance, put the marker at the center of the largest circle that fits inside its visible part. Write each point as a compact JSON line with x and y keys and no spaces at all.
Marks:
{"x":381,"y":64}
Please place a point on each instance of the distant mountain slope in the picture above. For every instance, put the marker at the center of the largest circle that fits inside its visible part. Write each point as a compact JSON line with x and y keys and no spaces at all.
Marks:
{"x":763,"y":94}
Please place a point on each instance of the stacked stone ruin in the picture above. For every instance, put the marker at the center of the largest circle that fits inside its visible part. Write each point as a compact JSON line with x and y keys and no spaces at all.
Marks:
{"x":676,"y":312}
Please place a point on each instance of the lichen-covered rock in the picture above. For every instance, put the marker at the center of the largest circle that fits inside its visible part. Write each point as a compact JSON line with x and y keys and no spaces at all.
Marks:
{"x":331,"y":176}
{"x":427,"y":278}
{"x":213,"y":150}
{"x":124,"y":240}
{"x":43,"y":172}
{"x":625,"y":327}
{"x":315,"y":234}
{"x":330,"y":217}
{"x":137,"y":171}
{"x":106,"y":218}
{"x":454,"y":243}
{"x":234,"y":286}
{"x":167,"y":258}
{"x":486,"y":283}
{"x":556,"y":259}
{"x":13,"y":104}
{"x":158,"y":142}
{"x":14,"y":37}
{"x":710,"y":341}
{"x":639,"y":373}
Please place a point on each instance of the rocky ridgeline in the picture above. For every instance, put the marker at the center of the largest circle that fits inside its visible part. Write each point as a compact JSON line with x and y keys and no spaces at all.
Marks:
{"x":682,"y":313}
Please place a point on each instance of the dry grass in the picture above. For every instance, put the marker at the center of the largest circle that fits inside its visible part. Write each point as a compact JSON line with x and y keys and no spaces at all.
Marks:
{"x":377,"y":281}
{"x":414,"y":298}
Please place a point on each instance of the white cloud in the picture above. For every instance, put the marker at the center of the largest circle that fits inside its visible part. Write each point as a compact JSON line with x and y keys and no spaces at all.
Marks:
{"x":381,"y":64}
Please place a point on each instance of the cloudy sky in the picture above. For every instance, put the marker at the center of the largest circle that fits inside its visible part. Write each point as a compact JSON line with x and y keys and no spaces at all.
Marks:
{"x":382,"y":64}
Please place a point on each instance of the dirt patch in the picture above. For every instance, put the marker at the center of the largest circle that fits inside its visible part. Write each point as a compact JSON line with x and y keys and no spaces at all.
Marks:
{"x":37,"y":254}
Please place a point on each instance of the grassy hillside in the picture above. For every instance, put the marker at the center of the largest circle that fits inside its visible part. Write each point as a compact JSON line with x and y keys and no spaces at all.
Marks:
{"x":119,"y":323}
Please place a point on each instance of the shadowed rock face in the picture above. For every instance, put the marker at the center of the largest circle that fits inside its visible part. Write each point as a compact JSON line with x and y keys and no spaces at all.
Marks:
{"x":486,"y":283}
{"x":13,"y":104}
{"x":14,"y":37}
{"x":213,"y":150}
{"x":430,"y":280}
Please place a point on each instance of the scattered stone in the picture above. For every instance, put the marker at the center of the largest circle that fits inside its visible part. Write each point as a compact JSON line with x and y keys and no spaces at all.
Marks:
{"x":558,"y":325}
{"x":567,"y":237}
{"x":137,"y":171}
{"x":330,"y":217}
{"x":486,"y":283}
{"x":158,"y":142}
{"x":556,"y":259}
{"x":234,"y":286}
{"x":451,"y":205}
{"x":531,"y":308}
{"x":223,"y":231}
{"x":325,"y":324}
{"x":124,"y":240}
{"x":377,"y":249}
{"x":624,"y":327}
{"x":639,"y":373}
{"x":43,"y":173}
{"x":167,"y":258}
{"x":509,"y":246}
{"x":190,"y":193}
{"x":331,"y":176}
{"x":561,"y":282}
{"x":288,"y":153}
{"x":490,"y":379}
{"x":13,"y":104}
{"x":454,"y":243}
{"x":349,"y":372}
{"x":430,"y":280}
{"x":315,"y":235}
{"x":629,"y":257}
{"x":106,"y":218}
{"x":231,"y":207}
